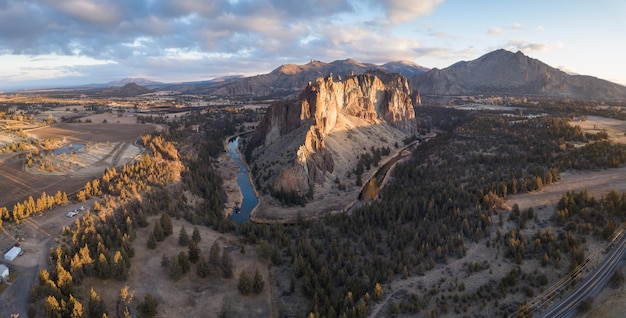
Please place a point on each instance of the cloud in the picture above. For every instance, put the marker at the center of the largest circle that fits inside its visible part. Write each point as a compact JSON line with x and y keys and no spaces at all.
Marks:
{"x":494,"y":31}
{"x":196,"y":38}
{"x":567,"y":69}
{"x":400,"y":11}
{"x":88,"y":11}
{"x":516,"y":26}
{"x":529,"y":47}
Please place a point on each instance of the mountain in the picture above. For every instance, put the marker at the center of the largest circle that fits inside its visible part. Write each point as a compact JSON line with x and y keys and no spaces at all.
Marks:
{"x":502,"y":72}
{"x":137,"y":80}
{"x":406,"y":68}
{"x":128,"y":90}
{"x":290,"y":79}
{"x":304,"y":145}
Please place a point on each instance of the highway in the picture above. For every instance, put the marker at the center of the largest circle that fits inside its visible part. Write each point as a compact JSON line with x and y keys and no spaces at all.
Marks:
{"x":591,"y":285}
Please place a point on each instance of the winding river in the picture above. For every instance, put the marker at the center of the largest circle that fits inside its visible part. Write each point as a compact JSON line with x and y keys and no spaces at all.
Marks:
{"x":243,"y":181}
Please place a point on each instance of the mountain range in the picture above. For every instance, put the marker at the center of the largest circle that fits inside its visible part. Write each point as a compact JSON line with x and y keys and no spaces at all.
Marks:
{"x":290,"y":79}
{"x":499,"y":72}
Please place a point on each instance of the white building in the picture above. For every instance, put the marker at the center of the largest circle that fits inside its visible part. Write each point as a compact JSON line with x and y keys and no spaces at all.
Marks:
{"x":4,"y":271}
{"x":12,"y":253}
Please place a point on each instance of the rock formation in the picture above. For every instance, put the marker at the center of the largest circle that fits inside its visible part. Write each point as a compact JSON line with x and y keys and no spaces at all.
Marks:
{"x":317,"y":138}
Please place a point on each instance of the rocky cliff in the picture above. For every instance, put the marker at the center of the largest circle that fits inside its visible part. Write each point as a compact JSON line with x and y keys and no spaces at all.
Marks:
{"x":316,"y":139}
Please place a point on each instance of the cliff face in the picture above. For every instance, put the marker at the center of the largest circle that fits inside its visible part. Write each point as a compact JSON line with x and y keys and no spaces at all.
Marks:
{"x":316,"y":138}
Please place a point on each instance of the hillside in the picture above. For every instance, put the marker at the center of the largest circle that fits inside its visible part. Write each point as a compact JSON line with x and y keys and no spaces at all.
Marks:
{"x":505,"y":73}
{"x":128,"y":90}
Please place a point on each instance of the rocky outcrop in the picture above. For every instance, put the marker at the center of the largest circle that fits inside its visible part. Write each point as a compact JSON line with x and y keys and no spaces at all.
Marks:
{"x":306,"y":142}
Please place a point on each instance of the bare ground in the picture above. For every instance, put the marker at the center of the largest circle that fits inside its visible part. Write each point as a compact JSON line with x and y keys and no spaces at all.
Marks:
{"x":111,"y":145}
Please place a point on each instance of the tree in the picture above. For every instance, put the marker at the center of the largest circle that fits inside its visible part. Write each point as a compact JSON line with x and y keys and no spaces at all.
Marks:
{"x":174,"y":269}
{"x":202,"y":267}
{"x":183,"y":260}
{"x":257,"y":283}
{"x":226,"y":264}
{"x":96,"y":305}
{"x":378,"y":292}
{"x":245,"y":283}
{"x":214,"y":255}
{"x":158,"y":232}
{"x":152,"y":244}
{"x":194,"y":251}
{"x":183,"y":237}
{"x":196,"y":235}
{"x":149,"y":307}
{"x":124,"y":299}
{"x":52,"y":307}
{"x":74,"y":309}
{"x":166,"y":224}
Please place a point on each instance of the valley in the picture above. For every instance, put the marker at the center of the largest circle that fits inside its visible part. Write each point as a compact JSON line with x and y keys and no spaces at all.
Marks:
{"x":476,"y":206}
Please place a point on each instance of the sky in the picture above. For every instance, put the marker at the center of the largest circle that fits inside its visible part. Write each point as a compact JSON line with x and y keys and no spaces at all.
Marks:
{"x":55,"y":43}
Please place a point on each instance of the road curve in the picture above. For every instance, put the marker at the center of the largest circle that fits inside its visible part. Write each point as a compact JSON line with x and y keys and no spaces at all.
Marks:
{"x":591,"y":285}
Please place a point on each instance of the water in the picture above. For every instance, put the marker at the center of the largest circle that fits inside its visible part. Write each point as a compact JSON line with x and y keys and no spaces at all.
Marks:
{"x":249,"y":197}
{"x":68,"y":148}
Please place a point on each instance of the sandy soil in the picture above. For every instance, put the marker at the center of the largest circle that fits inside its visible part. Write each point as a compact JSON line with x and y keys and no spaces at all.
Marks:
{"x":615,"y":128}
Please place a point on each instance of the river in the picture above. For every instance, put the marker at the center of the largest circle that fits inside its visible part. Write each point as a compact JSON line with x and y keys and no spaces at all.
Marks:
{"x":243,"y":181}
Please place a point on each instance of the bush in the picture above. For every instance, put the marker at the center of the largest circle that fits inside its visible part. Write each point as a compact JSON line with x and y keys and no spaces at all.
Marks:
{"x":149,"y":307}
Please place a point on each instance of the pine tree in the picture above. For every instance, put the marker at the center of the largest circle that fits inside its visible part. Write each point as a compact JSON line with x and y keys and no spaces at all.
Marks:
{"x":214,"y":255}
{"x":226,"y":264}
{"x":257,"y":283}
{"x":166,"y":224}
{"x":159,"y":233}
{"x":183,"y":238}
{"x":96,"y":305}
{"x":194,"y":251}
{"x":245,"y":283}
{"x":202,"y":267}
{"x":196,"y":235}
{"x":149,"y":307}
{"x":152,"y":244}
{"x":183,"y":259}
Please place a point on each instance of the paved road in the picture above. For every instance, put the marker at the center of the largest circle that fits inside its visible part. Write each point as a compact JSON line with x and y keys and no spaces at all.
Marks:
{"x":591,"y":286}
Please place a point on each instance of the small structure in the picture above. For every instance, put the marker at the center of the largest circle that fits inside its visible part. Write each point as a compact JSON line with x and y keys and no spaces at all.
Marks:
{"x":4,"y":271}
{"x":12,"y":253}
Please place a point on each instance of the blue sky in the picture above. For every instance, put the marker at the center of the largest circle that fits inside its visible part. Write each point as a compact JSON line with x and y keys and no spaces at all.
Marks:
{"x":46,"y":43}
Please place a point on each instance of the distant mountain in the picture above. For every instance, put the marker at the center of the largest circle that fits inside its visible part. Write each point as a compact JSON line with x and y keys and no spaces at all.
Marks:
{"x":406,"y":68}
{"x":137,"y":80}
{"x":290,"y":79}
{"x":503,"y":72}
{"x":128,"y":90}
